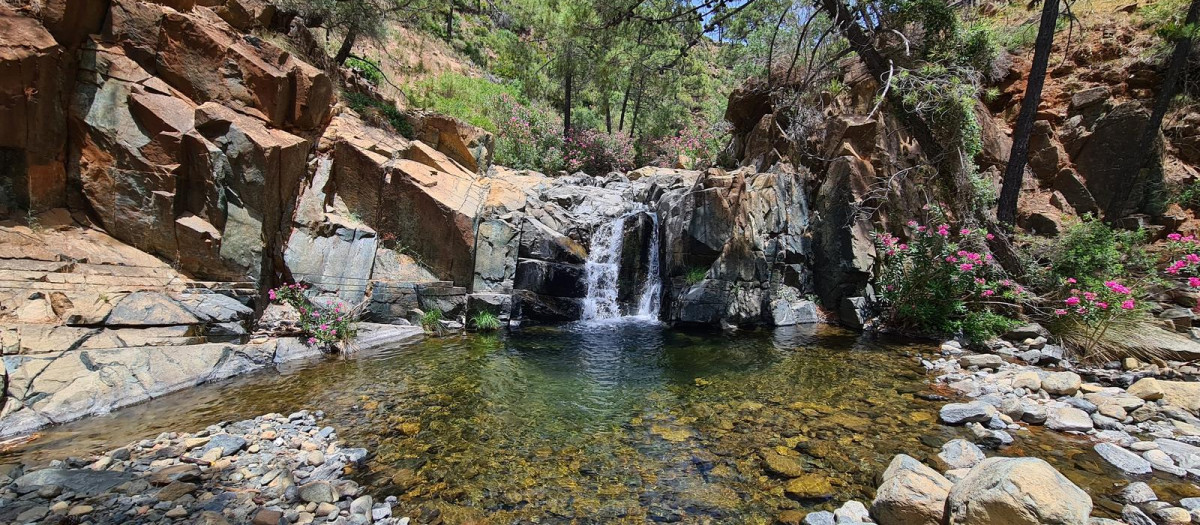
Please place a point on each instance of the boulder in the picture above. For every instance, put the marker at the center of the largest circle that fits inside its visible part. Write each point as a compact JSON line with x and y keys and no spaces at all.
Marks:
{"x":82,"y":482}
{"x":1183,"y":394}
{"x":462,"y":142}
{"x":1128,"y":462}
{"x":1029,"y":380}
{"x":981,"y":361}
{"x":1146,"y":388}
{"x":959,"y":413}
{"x":1068,"y":419}
{"x":1016,"y":491}
{"x":960,"y":454}
{"x":911,"y":494}
{"x":1061,"y":383}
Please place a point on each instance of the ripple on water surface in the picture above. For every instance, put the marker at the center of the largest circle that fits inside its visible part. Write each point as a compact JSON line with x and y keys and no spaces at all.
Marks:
{"x":607,"y":422}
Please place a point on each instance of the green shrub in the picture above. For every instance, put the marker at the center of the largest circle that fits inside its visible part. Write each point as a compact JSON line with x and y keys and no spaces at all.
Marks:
{"x":432,"y":320}
{"x":369,"y":69}
{"x":467,"y":98}
{"x":695,"y":275}
{"x":379,"y":113}
{"x":1187,"y":196}
{"x":486,"y":322}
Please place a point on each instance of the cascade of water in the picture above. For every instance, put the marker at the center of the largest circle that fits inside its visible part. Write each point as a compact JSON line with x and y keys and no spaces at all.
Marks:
{"x":651,"y":300}
{"x":603,"y":267}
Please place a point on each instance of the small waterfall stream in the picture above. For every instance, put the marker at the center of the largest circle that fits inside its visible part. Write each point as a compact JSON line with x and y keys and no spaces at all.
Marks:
{"x":603,"y":268}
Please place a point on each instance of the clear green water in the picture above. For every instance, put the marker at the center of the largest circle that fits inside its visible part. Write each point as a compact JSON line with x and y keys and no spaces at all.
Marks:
{"x":617,"y":423}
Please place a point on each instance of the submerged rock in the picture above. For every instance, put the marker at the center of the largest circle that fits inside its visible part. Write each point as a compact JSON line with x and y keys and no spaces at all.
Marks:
{"x":960,"y":454}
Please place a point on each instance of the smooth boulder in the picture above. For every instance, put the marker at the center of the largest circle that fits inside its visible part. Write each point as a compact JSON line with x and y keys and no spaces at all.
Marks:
{"x":1016,"y":491}
{"x":911,"y":494}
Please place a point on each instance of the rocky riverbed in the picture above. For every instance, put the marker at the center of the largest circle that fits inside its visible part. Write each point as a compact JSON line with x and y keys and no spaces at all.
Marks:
{"x":270,"y":470}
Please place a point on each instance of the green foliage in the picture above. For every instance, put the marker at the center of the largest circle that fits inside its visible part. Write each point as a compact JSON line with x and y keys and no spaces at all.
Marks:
{"x":467,"y":98}
{"x":1187,"y":196}
{"x":320,"y":325}
{"x":695,"y":274}
{"x":368,"y":68}
{"x":431,"y":320}
{"x":486,"y":322}
{"x":1087,"y":251}
{"x":379,"y":112}
{"x":980,"y":326}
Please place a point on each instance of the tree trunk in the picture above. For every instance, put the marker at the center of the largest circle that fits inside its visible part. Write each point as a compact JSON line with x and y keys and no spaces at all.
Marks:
{"x":449,"y":21}
{"x":568,"y":73}
{"x":1176,"y":63}
{"x":347,"y":46}
{"x":607,"y":115}
{"x":771,"y":47}
{"x":637,"y":108}
{"x":1014,"y":172}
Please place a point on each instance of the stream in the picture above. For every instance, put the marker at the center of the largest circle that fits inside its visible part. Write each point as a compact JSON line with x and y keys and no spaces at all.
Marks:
{"x":620,"y":421}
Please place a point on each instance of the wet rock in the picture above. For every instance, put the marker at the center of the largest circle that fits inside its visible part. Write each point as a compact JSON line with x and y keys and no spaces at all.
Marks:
{"x":988,"y":438}
{"x":960,"y":454}
{"x":1128,"y":462}
{"x":1016,"y":491}
{"x":229,"y":444}
{"x":852,"y":512}
{"x":1134,"y":516}
{"x":1068,"y":419}
{"x":1029,"y":331}
{"x":911,"y":493}
{"x":268,"y":517}
{"x":1138,"y":492}
{"x":959,"y":413}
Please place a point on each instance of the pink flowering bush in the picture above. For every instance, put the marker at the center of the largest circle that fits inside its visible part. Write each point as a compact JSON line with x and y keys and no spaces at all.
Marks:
{"x":321,"y":326}
{"x":699,"y":143}
{"x":1085,"y":314}
{"x":598,"y":153}
{"x":528,"y":136}
{"x":941,"y":280}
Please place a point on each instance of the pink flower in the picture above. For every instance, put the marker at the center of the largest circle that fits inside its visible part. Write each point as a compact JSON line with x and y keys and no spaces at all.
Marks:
{"x":1174,"y":236}
{"x":1103,"y":305}
{"x":1072,"y":301}
{"x":1194,"y":282}
{"x":912,"y":224}
{"x":1091,"y":296}
{"x":980,"y":280}
{"x":1071,"y":280}
{"x":1060,"y":312}
{"x":903,"y":247}
{"x":966,"y":267}
{"x":271,"y":294}
{"x":988,"y":293}
{"x":943,"y":230}
{"x":1081,"y":310}
{"x":922,"y":229}
{"x":324,"y":327}
{"x":1117,"y":287}
{"x":312,"y":340}
{"x":1127,"y":305}
{"x":951,"y":259}
{"x":989,"y":236}
{"x":965,"y":231}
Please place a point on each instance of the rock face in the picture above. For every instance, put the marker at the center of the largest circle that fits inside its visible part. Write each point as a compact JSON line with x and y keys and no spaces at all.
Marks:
{"x":1016,"y":491}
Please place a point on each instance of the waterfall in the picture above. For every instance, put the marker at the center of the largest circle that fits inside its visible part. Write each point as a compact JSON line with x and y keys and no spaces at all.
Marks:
{"x":651,"y":300}
{"x":603,"y":269}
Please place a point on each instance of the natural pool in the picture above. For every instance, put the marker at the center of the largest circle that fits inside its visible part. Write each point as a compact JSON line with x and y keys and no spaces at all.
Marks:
{"x":616,"y":422}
